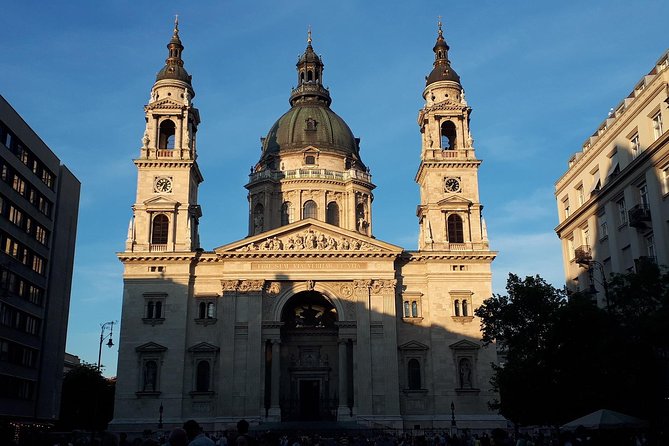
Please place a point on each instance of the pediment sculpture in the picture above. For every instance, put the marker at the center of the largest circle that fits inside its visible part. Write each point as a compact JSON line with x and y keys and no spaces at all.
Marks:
{"x":309,"y":240}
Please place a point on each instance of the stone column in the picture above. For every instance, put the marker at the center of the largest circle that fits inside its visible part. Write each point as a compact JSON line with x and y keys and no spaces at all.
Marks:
{"x":343,"y":412}
{"x":275,"y":408}
{"x":362,"y":350}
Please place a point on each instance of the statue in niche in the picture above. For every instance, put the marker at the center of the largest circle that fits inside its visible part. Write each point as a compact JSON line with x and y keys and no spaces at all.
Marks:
{"x":465,"y":373}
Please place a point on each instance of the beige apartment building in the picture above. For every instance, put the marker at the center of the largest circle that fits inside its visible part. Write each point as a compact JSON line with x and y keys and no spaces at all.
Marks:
{"x":613,"y":201}
{"x":310,"y":317}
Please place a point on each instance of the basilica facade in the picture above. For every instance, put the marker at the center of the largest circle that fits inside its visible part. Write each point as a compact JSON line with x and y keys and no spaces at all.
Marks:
{"x":310,"y":317}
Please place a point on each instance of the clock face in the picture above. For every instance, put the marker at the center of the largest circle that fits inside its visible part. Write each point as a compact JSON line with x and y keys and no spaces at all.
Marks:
{"x":452,"y":185}
{"x":163,"y":184}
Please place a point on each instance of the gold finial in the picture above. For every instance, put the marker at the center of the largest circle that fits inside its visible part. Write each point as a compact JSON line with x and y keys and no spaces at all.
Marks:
{"x":439,"y":25}
{"x":309,"y":35}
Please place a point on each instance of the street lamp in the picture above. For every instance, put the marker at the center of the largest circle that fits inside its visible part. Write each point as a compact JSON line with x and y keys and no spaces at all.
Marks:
{"x":104,"y":336}
{"x":452,"y":415}
{"x":160,"y":420}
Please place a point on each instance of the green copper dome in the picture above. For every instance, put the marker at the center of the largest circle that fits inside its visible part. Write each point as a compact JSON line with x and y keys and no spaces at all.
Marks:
{"x":310,"y":121}
{"x":311,"y":125}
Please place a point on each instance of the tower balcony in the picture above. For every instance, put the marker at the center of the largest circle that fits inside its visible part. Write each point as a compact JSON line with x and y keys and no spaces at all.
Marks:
{"x":319,"y":174}
{"x":583,"y":255}
{"x":438,"y":154}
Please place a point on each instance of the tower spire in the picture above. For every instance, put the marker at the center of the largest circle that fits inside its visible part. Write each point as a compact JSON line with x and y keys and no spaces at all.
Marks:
{"x":442,"y":66}
{"x":310,"y":77}
{"x":309,"y":35}
{"x":174,"y":64}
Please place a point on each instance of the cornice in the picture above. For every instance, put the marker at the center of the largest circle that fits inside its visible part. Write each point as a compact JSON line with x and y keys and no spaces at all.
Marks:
{"x":141,"y":257}
{"x":422,"y":256}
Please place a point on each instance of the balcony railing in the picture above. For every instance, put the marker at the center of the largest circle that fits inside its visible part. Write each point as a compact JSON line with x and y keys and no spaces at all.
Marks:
{"x":310,"y":174}
{"x":639,"y":216}
{"x":157,"y":247}
{"x":165,"y":153}
{"x":583,"y":255}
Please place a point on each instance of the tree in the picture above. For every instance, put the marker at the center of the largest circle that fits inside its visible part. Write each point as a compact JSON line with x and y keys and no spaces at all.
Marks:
{"x":87,"y":400}
{"x":565,"y":357}
{"x":522,"y":324}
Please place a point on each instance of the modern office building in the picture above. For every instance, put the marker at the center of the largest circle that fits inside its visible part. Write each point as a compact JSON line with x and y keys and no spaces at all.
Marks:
{"x":39,"y":201}
{"x":613,"y":201}
{"x":310,"y":317}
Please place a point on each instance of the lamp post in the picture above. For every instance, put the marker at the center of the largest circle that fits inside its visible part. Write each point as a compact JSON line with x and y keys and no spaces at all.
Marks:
{"x":160,"y":420}
{"x":103,"y":336}
{"x":452,"y":418}
{"x":605,"y":286}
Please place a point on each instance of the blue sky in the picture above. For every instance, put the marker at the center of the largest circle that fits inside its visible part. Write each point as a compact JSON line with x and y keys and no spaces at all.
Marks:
{"x":540,"y":77}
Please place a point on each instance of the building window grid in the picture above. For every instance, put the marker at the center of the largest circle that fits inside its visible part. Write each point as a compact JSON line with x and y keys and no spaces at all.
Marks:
{"x":19,"y":184}
{"x":23,"y":254}
{"x":20,"y":219}
{"x":26,"y":156}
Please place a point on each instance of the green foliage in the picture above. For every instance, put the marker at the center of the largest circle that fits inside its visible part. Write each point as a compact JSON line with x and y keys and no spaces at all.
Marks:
{"x":563,"y":358}
{"x":87,"y":400}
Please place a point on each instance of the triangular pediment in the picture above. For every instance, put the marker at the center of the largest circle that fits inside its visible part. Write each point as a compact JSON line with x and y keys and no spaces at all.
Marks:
{"x":309,"y":235}
{"x":413,"y":345}
{"x":165,"y":103}
{"x":203,"y":347}
{"x":455,"y":200}
{"x":150,"y":347}
{"x":161,"y":202}
{"x":465,"y":345}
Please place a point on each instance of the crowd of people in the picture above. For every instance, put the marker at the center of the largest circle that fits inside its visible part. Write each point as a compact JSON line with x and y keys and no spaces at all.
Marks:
{"x":191,"y":434}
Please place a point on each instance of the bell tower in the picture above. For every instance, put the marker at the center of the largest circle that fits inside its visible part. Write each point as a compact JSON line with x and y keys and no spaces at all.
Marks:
{"x":166,"y":213}
{"x":449,"y":213}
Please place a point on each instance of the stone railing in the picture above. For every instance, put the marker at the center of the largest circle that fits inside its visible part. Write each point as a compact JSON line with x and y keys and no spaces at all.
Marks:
{"x":324,"y":174}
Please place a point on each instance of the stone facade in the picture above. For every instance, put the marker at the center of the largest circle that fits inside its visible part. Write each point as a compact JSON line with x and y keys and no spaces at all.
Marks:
{"x":612,"y":200}
{"x":310,"y":317}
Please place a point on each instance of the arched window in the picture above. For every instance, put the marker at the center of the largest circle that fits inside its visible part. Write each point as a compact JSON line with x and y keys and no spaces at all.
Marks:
{"x":310,"y":76}
{"x":203,"y":376}
{"x":414,"y":309}
{"x":407,"y":313}
{"x":413,"y":372}
{"x":301,"y":76}
{"x":455,"y":231}
{"x":211,"y":310}
{"x":202,"y":313}
{"x":448,"y":133}
{"x":167,"y":131}
{"x":465,"y":372}
{"x":150,"y":373}
{"x":159,"y":229}
{"x":332,"y":216}
{"x":287,"y":213}
{"x":465,"y":308}
{"x":310,"y":209}
{"x":456,"y":307}
{"x":258,"y":218}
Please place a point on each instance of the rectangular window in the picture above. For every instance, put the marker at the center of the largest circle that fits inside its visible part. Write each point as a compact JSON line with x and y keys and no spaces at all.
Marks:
{"x":154,"y":309}
{"x":657,"y":125}
{"x":38,"y":264}
{"x":15,"y":216}
{"x":586,"y":236}
{"x":636,"y":147}
{"x":565,"y":205}
{"x":581,"y":195}
{"x":603,"y":228}
{"x":622,"y":212}
{"x":19,"y":185}
{"x":643,"y":196}
{"x":650,"y":246}
{"x":570,"y":249}
{"x":665,"y":180}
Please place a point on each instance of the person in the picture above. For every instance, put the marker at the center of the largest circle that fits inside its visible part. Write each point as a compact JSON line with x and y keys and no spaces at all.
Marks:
{"x":195,"y":434}
{"x":178,"y":437}
{"x":243,"y":438}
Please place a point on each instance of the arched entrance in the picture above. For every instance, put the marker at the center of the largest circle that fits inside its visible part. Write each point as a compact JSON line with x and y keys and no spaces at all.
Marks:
{"x":309,"y":358}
